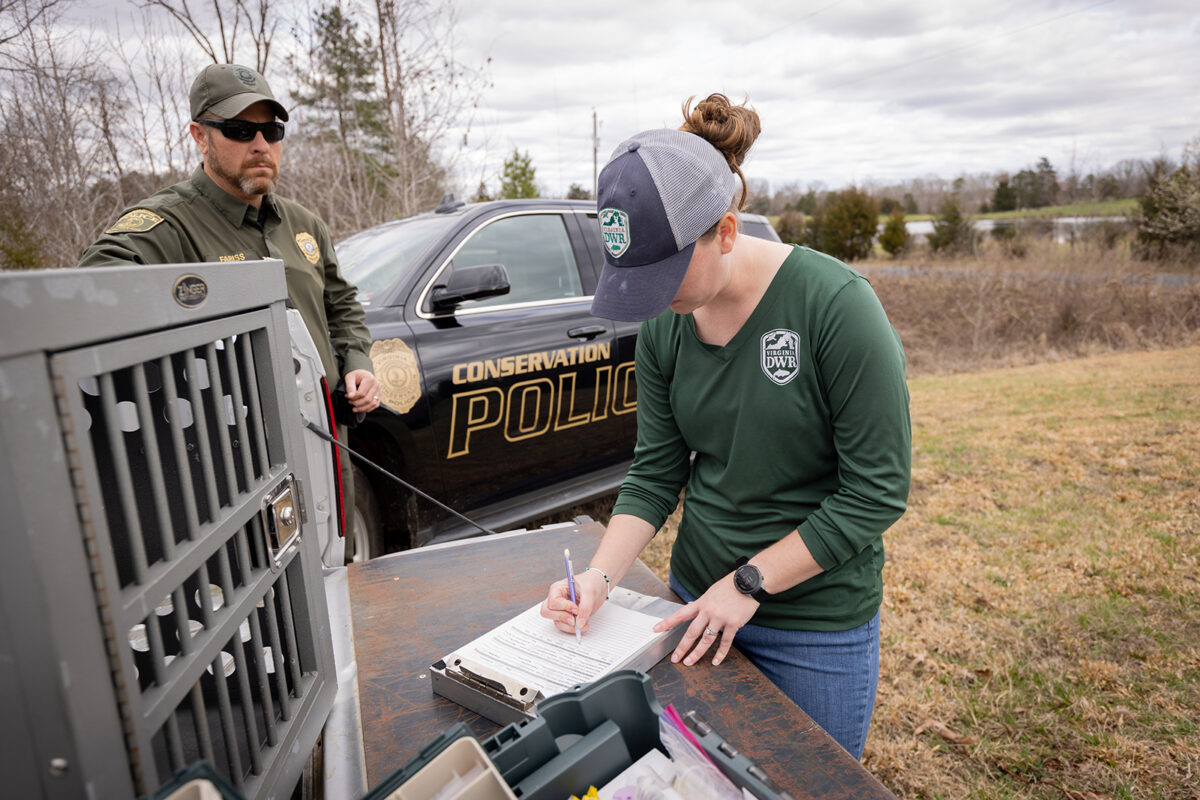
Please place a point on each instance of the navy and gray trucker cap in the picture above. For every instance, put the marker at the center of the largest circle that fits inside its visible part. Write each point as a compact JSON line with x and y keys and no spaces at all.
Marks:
{"x":661,"y":190}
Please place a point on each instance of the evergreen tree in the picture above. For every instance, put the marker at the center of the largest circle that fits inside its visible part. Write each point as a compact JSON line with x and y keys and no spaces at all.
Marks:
{"x":807,"y":203}
{"x":577,"y":192}
{"x":1109,"y":187}
{"x":337,"y":82}
{"x":481,"y":194}
{"x":1026,"y":188}
{"x":1004,"y":197}
{"x":952,"y":229}
{"x":845,"y":226}
{"x":1168,"y":222}
{"x":910,"y":204}
{"x":894,"y":239}
{"x":517,"y":177}
{"x":1048,"y":188}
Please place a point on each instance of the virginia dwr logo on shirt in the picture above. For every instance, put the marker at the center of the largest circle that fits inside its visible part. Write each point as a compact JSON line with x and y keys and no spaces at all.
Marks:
{"x":781,"y":355}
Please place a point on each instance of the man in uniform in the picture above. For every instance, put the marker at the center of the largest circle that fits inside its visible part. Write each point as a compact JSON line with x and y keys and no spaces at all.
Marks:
{"x":226,"y":211}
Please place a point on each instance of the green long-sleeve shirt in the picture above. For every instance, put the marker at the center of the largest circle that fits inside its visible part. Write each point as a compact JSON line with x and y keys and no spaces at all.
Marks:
{"x":197,"y":220}
{"x":799,"y":422}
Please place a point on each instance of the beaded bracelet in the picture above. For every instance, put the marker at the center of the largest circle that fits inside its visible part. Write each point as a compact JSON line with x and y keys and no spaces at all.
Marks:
{"x":607,"y":582}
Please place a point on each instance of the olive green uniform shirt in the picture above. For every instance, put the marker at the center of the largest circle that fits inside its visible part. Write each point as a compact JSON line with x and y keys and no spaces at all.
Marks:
{"x":197,"y":220}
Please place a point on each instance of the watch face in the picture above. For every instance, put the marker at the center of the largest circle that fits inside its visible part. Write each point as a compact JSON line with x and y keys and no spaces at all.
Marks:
{"x":747,"y":579}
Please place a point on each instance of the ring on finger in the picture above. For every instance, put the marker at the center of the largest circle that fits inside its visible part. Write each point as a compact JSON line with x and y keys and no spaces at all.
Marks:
{"x":710,"y":632}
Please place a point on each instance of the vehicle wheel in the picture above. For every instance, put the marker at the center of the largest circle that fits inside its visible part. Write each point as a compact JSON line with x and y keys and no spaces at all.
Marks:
{"x":368,"y":522}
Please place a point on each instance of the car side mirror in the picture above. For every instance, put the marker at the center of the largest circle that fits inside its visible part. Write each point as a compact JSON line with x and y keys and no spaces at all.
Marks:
{"x":470,"y":283}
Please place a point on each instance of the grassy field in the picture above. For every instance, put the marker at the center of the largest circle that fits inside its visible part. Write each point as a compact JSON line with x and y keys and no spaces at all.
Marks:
{"x":1042,"y":616}
{"x":1105,"y":208}
{"x":1041,"y":621}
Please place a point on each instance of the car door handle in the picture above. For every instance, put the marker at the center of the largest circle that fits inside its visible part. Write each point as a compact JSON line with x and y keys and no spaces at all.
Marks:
{"x":587,"y":332}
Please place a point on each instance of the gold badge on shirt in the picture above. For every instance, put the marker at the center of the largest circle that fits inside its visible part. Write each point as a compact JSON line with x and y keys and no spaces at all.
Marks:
{"x":137,"y":221}
{"x":308,"y":246}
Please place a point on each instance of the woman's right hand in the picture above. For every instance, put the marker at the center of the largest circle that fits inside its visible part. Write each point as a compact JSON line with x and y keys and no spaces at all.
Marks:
{"x":591,"y":591}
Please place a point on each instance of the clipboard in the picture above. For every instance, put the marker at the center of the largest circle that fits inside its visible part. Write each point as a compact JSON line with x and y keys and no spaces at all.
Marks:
{"x":505,"y":699}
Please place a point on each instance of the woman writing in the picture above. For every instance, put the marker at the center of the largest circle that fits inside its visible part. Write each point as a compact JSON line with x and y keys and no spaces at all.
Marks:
{"x":776,"y":366}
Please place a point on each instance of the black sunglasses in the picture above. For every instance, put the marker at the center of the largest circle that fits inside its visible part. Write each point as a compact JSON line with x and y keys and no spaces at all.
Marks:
{"x":242,"y":131}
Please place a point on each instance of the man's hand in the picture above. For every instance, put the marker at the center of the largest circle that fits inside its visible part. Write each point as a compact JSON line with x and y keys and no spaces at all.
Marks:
{"x":362,"y":390}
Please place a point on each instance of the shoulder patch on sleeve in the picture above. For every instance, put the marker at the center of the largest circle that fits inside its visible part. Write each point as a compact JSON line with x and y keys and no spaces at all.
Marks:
{"x":137,"y":221}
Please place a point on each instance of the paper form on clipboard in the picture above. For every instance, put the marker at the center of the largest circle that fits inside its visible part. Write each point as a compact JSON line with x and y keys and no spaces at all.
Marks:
{"x":528,"y":659}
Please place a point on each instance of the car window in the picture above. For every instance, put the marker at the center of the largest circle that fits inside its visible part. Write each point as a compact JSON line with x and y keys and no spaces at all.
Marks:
{"x":536,"y":251}
{"x":376,"y":258}
{"x":760,"y":228}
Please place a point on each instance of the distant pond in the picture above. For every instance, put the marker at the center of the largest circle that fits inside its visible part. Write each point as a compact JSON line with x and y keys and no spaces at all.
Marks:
{"x":1061,"y":228}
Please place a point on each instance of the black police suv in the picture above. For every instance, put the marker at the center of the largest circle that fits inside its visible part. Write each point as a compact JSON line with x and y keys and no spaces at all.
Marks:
{"x":502,"y":396}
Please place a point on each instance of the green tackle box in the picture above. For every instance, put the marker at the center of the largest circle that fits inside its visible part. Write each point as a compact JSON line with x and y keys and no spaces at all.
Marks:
{"x":583,"y":737}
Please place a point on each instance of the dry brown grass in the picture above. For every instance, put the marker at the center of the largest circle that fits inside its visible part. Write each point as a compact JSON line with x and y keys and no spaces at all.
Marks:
{"x":1041,"y":625}
{"x":1057,"y":302}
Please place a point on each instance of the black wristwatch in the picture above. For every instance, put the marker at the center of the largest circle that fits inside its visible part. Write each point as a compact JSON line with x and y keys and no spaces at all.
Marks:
{"x":748,"y":580}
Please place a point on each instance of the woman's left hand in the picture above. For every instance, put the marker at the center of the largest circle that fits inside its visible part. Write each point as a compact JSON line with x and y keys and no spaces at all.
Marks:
{"x":718,"y":613}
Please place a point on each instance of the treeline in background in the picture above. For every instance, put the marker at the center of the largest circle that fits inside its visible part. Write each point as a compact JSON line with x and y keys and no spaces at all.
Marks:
{"x":94,"y":117}
{"x":1150,"y":206}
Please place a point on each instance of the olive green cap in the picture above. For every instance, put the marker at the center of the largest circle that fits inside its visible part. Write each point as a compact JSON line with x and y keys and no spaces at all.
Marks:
{"x":227,"y":90}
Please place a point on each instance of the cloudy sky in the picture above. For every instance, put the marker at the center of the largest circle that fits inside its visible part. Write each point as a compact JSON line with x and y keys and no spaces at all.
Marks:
{"x":849,"y":91}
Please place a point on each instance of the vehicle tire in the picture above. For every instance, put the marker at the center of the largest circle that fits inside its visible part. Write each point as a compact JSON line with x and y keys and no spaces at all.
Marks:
{"x":368,"y":521}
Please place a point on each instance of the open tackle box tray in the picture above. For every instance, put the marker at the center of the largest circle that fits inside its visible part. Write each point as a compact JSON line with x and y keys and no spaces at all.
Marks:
{"x":583,"y":737}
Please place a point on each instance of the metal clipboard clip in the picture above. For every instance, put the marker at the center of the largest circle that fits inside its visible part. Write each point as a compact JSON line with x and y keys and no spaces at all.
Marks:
{"x":471,"y":684}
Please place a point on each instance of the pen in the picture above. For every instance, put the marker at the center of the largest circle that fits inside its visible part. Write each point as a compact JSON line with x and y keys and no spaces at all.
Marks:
{"x":571,"y":586}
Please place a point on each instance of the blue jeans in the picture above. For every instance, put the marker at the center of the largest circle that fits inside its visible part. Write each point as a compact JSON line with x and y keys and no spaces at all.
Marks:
{"x":832,"y":675}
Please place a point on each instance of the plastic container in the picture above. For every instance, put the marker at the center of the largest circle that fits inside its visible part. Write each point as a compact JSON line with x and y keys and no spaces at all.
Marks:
{"x":591,"y":734}
{"x":197,"y":781}
{"x":452,"y":766}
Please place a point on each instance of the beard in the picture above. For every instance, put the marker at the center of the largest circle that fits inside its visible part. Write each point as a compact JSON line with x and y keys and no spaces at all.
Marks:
{"x":253,"y":185}
{"x":239,"y":175}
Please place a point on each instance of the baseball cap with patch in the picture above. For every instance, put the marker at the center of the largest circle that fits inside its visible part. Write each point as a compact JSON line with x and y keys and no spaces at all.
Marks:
{"x":661,"y":190}
{"x":227,"y":90}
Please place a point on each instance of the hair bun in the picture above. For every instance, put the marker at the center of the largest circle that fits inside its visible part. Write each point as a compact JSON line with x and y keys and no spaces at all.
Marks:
{"x":729,"y":128}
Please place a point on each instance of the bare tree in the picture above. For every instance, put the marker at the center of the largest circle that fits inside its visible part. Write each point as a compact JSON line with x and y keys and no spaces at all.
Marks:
{"x":56,"y":142}
{"x":336,"y":184}
{"x":373,"y":144}
{"x":155,"y":113}
{"x":16,"y":16}
{"x":218,"y":34}
{"x":426,"y":91}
